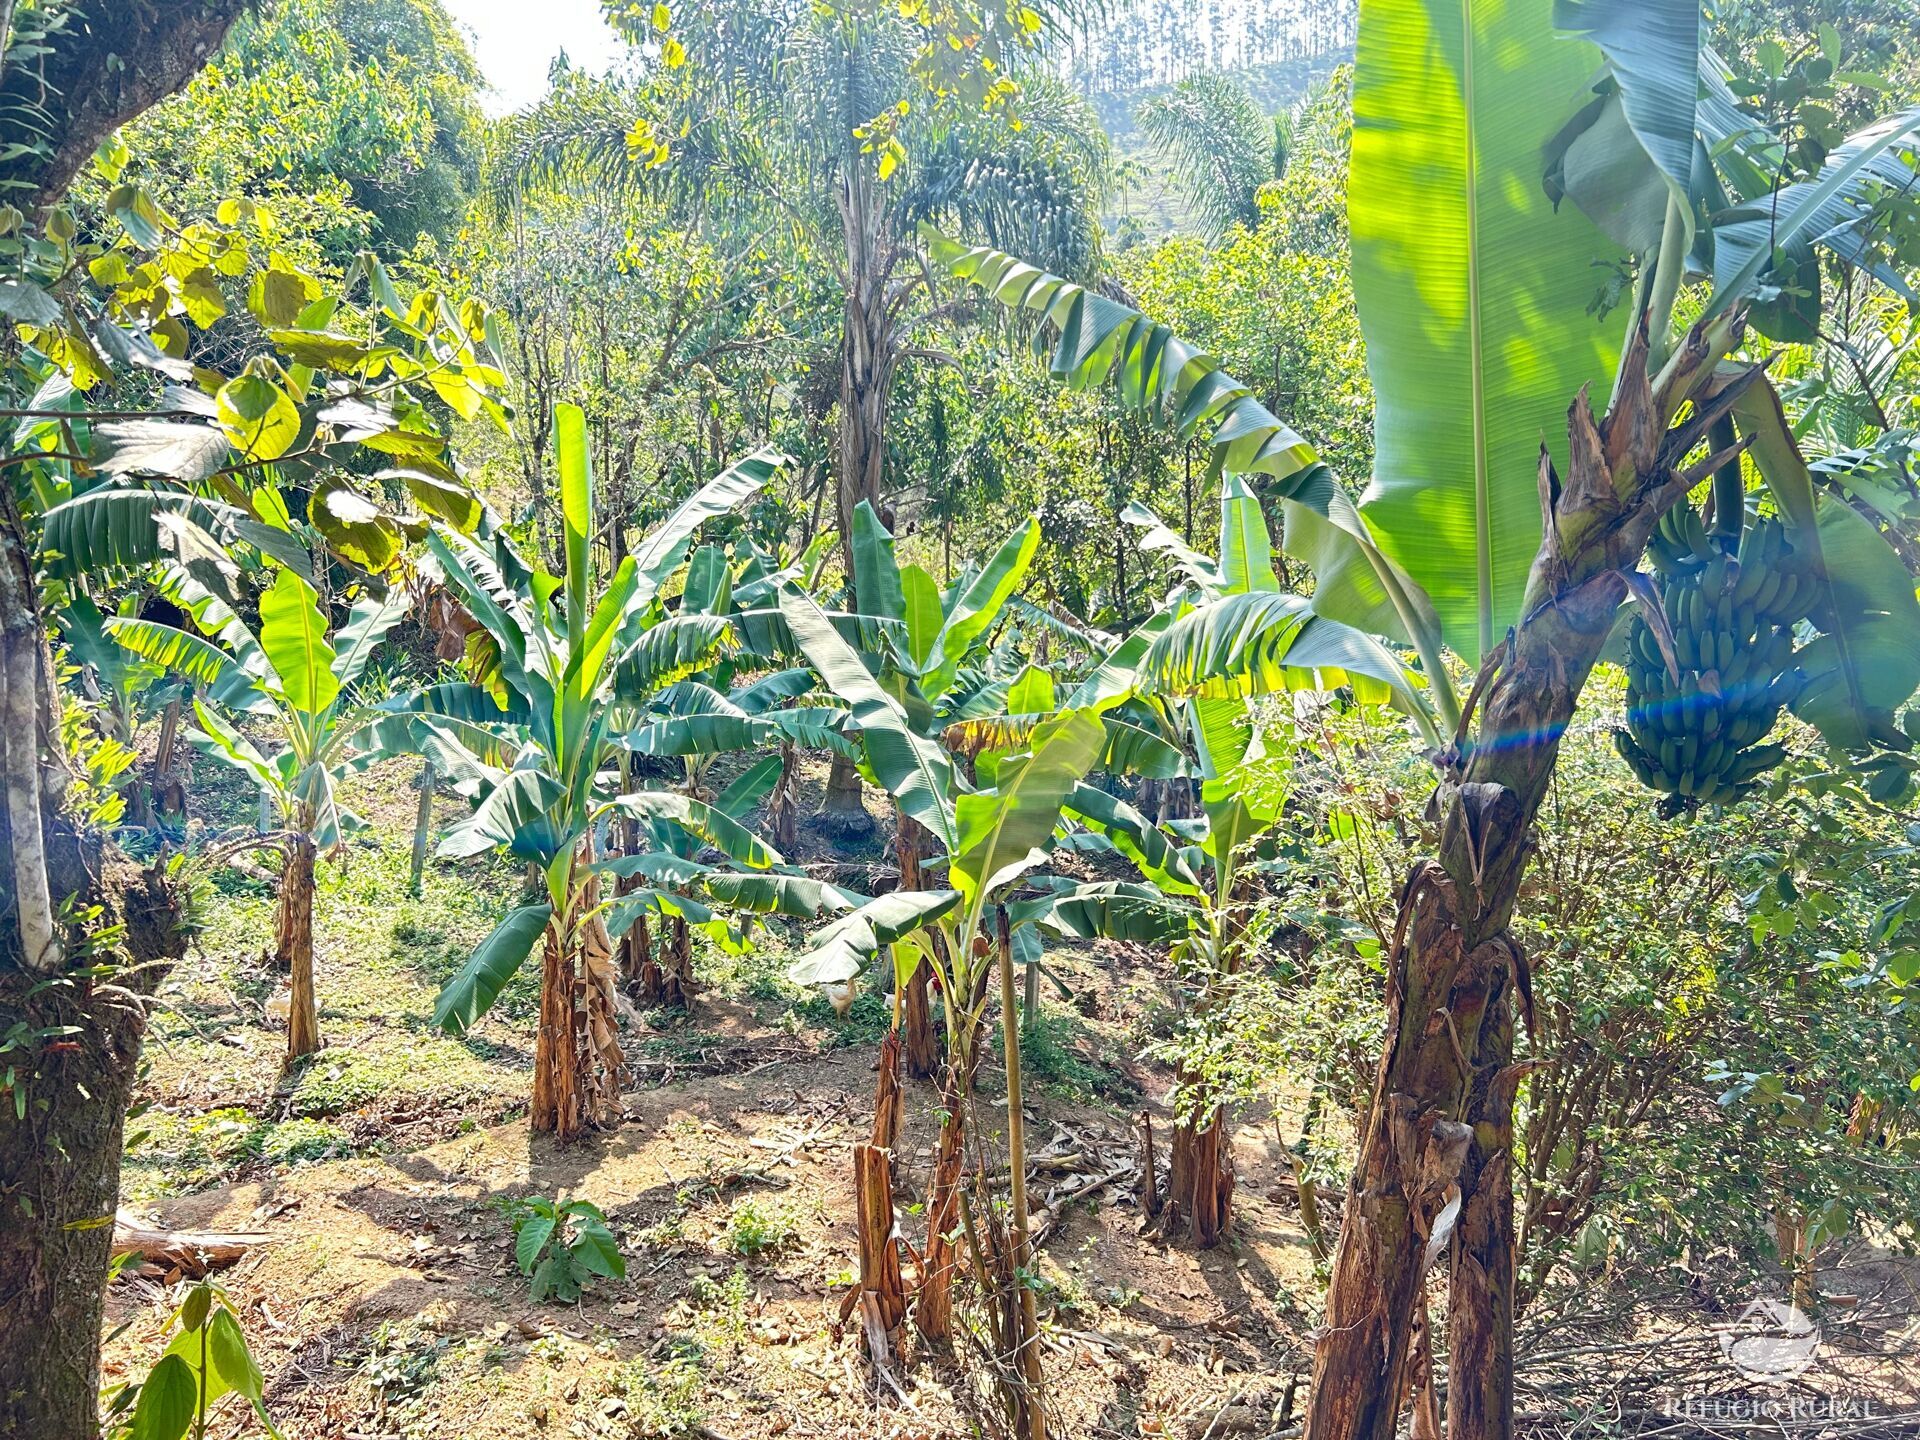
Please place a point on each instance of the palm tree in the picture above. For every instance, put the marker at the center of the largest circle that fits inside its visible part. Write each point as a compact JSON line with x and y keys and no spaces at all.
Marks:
{"x":1221,"y":148}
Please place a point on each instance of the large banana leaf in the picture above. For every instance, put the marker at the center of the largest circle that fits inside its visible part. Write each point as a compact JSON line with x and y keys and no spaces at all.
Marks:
{"x":1867,"y":662}
{"x":472,"y":991}
{"x":1653,"y":56}
{"x":178,"y":650}
{"x":908,"y":766}
{"x":575,"y":465}
{"x":1156,"y":857}
{"x":1789,"y":220}
{"x":665,"y":546}
{"x":876,"y":574}
{"x":850,"y":944}
{"x":119,"y":529}
{"x":1120,"y":910}
{"x":514,"y":814}
{"x":704,"y":822}
{"x":675,"y":648}
{"x":293,"y":632}
{"x":999,"y":833}
{"x":1356,"y":582}
{"x":978,"y":605}
{"x":367,"y":625}
{"x":1262,"y":642}
{"x":1473,"y":293}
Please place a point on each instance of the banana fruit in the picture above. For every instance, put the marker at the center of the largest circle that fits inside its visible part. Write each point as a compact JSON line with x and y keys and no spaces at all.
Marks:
{"x":1698,"y":737}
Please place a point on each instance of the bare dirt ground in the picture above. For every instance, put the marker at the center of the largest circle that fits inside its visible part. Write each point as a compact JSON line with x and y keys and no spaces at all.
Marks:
{"x":385,"y":1301}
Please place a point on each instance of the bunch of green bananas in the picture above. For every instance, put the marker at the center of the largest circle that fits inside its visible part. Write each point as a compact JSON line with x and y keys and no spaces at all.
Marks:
{"x":1732,"y":611}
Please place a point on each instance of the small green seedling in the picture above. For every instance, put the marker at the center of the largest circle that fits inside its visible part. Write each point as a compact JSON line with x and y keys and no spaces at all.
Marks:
{"x":208,"y":1359}
{"x":563,"y":1246}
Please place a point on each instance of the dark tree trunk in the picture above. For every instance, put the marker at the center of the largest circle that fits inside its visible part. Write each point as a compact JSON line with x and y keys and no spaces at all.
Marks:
{"x":63,"y":1111}
{"x":109,"y":63}
{"x":1200,"y":1179}
{"x":293,"y":948}
{"x":844,"y":809}
{"x":1441,"y":1119}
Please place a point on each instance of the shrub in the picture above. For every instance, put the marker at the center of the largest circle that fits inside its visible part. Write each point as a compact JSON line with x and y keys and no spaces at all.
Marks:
{"x":564,"y":1246}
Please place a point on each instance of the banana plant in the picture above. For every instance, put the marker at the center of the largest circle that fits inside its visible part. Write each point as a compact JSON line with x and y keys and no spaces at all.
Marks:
{"x":918,"y":677}
{"x":531,"y":744}
{"x":1481,"y":301}
{"x":293,"y":686}
{"x":994,"y":838}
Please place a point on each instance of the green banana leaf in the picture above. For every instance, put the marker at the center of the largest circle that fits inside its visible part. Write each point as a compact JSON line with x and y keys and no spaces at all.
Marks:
{"x":293,"y":633}
{"x":908,"y":766}
{"x":1120,"y":910}
{"x":851,"y":943}
{"x":1000,"y":833}
{"x":665,"y":546}
{"x":478,"y":983}
{"x":367,"y":625}
{"x":704,"y":822}
{"x":515,"y":814}
{"x":977,"y":607}
{"x":1157,"y":858}
{"x":1261,"y":642}
{"x":1473,"y":293}
{"x":876,"y":574}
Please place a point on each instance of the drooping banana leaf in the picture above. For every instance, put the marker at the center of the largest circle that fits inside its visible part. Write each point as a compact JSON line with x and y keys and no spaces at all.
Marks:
{"x":851,"y":943}
{"x":1120,"y":910}
{"x":704,"y":822}
{"x":472,"y":991}
{"x":116,"y":529}
{"x":1157,"y":858}
{"x":515,"y":814}
{"x":1261,"y":642}
{"x":367,"y":625}
{"x":978,"y":605}
{"x":910,"y":767}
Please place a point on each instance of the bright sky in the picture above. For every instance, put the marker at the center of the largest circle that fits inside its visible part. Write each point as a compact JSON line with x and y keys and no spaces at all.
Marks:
{"x":515,"y":41}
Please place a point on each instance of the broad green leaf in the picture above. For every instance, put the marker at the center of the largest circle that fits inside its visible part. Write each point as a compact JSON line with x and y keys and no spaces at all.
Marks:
{"x":472,"y":991}
{"x":705,"y":822}
{"x":665,"y":546}
{"x":169,"y":1397}
{"x":1868,"y":658}
{"x":1260,"y":643}
{"x":1473,"y":293}
{"x":998,"y":832}
{"x":293,"y":633}
{"x":177,"y":650}
{"x":1158,"y":537}
{"x":367,"y":625}
{"x":257,"y":417}
{"x":1653,"y":54}
{"x":530,"y":1239}
{"x":1793,"y":217}
{"x":1110,"y":910}
{"x":852,"y":942}
{"x":514,"y":814}
{"x":920,"y":608}
{"x":116,"y":529}
{"x":977,"y":607}
{"x":910,"y":767}
{"x":876,"y":574}
{"x":575,"y":465}
{"x":1156,"y":857}
{"x":226,"y":744}
{"x":1246,"y":550}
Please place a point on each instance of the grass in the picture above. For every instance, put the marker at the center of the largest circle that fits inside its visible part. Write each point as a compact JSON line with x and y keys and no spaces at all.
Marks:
{"x":221,"y":1105}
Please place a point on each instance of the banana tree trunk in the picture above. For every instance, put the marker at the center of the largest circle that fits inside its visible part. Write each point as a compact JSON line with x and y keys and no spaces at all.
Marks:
{"x":783,"y":809}
{"x":933,"y":1306}
{"x":293,"y":948}
{"x":1200,"y":1181}
{"x":920,"y":1037}
{"x":577,"y":1064}
{"x":1434,"y":1171}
